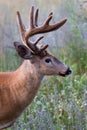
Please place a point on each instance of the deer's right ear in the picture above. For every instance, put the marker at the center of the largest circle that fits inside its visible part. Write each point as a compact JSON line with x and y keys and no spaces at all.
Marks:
{"x":22,"y":50}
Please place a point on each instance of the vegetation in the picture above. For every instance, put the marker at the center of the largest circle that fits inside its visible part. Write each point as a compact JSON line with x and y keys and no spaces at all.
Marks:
{"x":61,"y":103}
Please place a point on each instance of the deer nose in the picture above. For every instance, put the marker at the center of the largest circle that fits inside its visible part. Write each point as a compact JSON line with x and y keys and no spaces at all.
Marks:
{"x":69,"y":71}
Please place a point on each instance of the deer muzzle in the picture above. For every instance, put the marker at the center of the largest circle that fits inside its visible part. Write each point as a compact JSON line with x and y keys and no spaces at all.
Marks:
{"x":68,"y":72}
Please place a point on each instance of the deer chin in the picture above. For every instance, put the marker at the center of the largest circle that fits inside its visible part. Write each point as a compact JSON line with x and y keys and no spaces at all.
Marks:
{"x":63,"y":75}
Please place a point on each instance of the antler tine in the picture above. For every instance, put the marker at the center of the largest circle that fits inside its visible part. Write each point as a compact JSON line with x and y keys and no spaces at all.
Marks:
{"x":57,"y":25}
{"x":36,"y":42}
{"x":32,"y":17}
{"x":51,"y":13}
{"x":34,"y":48}
{"x":43,"y":48}
{"x":20,"y":24}
{"x":36,"y":17}
{"x":48,"y":20}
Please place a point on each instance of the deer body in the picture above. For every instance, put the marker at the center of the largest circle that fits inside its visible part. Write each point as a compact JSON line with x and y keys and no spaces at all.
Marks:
{"x":18,"y":88}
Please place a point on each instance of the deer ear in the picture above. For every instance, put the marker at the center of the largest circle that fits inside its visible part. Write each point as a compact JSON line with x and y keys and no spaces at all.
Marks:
{"x":22,"y":50}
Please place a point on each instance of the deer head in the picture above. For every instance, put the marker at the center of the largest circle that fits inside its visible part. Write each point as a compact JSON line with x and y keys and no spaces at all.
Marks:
{"x":38,"y":55}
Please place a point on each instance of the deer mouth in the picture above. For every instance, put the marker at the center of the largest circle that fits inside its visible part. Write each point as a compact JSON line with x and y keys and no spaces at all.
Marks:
{"x":68,"y":72}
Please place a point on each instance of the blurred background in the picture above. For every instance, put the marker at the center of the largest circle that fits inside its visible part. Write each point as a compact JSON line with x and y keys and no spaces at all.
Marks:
{"x":61,"y":103}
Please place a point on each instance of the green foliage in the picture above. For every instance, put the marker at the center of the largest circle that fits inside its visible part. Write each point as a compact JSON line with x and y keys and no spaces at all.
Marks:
{"x":10,"y":61}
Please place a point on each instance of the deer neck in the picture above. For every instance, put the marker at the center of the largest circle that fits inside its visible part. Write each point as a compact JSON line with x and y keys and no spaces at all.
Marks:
{"x":30,"y":78}
{"x":30,"y":72}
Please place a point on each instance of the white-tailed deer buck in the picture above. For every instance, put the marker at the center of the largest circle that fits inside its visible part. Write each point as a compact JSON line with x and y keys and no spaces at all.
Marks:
{"x":18,"y":88}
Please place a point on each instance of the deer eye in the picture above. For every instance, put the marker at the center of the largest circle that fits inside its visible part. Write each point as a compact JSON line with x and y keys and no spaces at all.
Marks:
{"x":48,"y":60}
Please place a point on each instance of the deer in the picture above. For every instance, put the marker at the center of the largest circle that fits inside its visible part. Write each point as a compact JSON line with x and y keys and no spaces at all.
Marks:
{"x":19,"y":87}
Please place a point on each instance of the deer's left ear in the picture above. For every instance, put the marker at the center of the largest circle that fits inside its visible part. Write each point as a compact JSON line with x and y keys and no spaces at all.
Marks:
{"x":22,"y":50}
